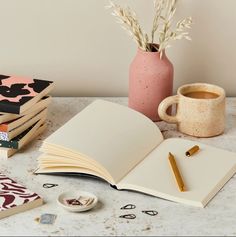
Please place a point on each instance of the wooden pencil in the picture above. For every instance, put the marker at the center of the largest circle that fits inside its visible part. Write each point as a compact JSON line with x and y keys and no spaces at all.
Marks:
{"x":176,"y":173}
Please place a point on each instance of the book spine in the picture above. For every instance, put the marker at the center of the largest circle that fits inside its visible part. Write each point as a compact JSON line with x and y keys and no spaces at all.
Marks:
{"x":3,"y":127}
{"x":9,"y":108}
{"x":4,"y":136}
{"x":113,"y":186}
{"x":8,"y":117}
{"x":11,"y":144}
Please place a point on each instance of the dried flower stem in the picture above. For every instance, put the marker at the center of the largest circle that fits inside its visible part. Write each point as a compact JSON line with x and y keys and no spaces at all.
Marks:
{"x":128,"y":19}
{"x":158,"y":5}
{"x":162,"y":24}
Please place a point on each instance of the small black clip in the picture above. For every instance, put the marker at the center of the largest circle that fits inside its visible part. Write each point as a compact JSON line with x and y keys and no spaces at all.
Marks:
{"x":128,"y":207}
{"x":47,"y":185}
{"x":128,"y":216}
{"x":150,"y":213}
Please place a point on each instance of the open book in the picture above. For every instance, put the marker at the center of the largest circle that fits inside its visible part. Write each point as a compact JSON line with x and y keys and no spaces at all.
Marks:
{"x":127,"y":150}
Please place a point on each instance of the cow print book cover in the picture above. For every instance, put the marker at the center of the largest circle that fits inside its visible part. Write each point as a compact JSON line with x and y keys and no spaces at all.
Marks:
{"x":18,"y":94}
{"x":15,"y":198}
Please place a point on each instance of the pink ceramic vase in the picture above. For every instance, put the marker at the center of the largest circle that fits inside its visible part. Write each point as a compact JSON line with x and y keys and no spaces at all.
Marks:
{"x":150,"y":81}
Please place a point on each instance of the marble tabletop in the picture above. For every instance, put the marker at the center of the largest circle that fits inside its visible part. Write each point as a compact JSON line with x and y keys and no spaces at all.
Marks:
{"x":218,"y":218}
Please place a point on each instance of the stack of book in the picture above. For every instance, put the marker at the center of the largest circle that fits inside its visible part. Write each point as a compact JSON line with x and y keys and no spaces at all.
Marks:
{"x":23,"y":110}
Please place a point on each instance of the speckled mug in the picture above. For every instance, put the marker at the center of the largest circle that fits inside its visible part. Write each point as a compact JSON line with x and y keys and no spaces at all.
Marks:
{"x":194,"y":116}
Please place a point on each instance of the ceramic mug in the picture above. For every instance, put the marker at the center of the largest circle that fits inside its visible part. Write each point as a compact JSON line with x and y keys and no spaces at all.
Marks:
{"x":200,"y":110}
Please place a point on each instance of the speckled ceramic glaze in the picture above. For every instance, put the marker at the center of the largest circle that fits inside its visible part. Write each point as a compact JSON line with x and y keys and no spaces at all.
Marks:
{"x":150,"y":81}
{"x":196,"y":117}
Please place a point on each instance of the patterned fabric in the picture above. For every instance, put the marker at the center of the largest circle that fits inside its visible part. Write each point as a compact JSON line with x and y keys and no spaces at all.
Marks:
{"x":13,"y":194}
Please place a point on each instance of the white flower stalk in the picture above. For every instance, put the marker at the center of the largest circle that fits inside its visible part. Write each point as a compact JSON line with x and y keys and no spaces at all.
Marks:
{"x":158,"y":6}
{"x":162,"y":25}
{"x":128,"y":19}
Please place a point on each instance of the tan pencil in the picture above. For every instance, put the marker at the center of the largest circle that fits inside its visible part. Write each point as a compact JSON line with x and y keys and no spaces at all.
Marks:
{"x":176,"y":173}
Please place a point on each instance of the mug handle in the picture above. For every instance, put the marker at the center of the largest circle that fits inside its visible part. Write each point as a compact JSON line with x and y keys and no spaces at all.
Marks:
{"x":164,"y":105}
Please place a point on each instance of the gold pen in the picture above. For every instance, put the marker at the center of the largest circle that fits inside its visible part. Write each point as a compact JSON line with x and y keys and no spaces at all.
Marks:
{"x":192,"y":151}
{"x":176,"y":172}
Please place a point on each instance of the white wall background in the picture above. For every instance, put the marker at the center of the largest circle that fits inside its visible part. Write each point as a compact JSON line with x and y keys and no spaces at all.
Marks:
{"x":78,"y":44}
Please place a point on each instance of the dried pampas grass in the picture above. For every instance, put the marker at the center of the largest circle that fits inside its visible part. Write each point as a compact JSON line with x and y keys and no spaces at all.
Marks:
{"x":128,"y":19}
{"x":162,"y":25}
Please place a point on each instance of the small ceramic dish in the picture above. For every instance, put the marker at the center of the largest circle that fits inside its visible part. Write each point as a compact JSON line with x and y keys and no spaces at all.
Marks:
{"x":78,"y":201}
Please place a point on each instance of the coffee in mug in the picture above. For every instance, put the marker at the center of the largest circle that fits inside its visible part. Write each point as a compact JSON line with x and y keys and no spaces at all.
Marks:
{"x":200,"y":110}
{"x":202,"y":95}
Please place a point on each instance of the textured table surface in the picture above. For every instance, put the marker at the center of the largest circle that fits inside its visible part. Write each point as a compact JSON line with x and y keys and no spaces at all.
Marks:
{"x":218,"y":218}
